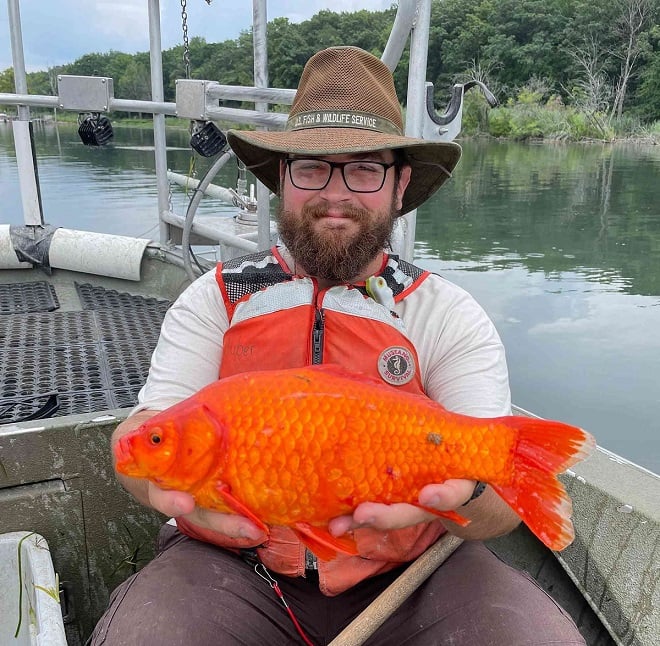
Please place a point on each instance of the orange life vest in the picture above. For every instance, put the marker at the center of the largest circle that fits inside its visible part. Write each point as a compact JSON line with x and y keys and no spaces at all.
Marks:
{"x":278,"y":320}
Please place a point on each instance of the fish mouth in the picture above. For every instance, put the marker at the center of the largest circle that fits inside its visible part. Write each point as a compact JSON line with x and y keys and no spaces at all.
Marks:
{"x":124,"y":461}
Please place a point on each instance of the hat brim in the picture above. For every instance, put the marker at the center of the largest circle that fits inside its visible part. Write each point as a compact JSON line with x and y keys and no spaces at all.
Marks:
{"x":431,"y":162}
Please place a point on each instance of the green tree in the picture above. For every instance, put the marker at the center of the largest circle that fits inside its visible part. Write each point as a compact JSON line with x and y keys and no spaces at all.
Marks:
{"x":135,"y":81}
{"x":288,"y":52}
{"x":7,"y":84}
{"x":648,"y":95}
{"x":111,"y":64}
{"x":579,"y":50}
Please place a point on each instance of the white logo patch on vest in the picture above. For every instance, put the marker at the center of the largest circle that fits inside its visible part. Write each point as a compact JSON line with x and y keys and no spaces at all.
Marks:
{"x":396,"y":366}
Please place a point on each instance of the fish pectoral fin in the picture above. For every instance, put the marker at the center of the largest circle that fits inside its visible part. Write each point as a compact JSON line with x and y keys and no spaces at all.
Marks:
{"x":237,"y":507}
{"x":449,"y":515}
{"x":322,"y":543}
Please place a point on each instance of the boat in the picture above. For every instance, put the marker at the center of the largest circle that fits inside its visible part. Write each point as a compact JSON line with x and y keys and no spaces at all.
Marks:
{"x":80,"y":315}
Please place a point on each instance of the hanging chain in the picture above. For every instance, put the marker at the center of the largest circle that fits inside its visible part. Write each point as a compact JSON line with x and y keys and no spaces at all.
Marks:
{"x":186,"y":67}
{"x":186,"y":44}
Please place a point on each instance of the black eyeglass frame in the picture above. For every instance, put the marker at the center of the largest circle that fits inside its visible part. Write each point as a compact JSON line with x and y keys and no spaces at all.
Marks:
{"x":341,"y":165}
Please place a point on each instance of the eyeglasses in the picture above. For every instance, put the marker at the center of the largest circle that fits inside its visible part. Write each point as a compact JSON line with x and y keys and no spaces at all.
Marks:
{"x":359,"y":176}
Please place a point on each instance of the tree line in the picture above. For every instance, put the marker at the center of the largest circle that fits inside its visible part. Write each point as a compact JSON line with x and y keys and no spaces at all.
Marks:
{"x":594,"y":66}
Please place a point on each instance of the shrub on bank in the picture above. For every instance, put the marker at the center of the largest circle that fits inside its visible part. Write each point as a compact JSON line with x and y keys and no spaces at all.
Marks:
{"x":528,"y":116}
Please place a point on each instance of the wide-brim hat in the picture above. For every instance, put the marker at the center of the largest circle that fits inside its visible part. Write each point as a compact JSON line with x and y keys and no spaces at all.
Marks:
{"x":346,"y":103}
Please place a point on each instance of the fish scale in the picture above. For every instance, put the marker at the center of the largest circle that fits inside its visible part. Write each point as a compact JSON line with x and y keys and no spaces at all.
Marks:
{"x":371,"y":454}
{"x":297,"y":447}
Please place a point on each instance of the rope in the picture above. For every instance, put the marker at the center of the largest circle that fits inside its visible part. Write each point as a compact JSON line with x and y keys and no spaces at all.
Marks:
{"x":263,"y":572}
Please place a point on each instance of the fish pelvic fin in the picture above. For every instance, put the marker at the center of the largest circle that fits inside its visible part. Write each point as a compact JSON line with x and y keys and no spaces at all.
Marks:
{"x":322,"y":543}
{"x":544,"y":449}
{"x":223,"y":491}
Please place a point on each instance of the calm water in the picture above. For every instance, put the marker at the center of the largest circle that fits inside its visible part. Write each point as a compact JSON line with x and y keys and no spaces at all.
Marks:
{"x":559,"y":243}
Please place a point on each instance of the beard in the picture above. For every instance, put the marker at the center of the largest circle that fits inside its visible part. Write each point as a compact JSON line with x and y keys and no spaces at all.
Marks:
{"x":331,"y":254}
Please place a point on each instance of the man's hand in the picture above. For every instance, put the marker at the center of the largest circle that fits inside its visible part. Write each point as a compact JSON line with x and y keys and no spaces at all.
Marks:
{"x":447,"y":496}
{"x":489,"y":514}
{"x":181,"y":504}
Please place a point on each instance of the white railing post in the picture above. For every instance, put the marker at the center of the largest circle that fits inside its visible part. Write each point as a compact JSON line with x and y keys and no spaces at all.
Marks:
{"x":158,"y":95}
{"x":260,"y":38}
{"x":416,"y":103}
{"x":26,"y":159}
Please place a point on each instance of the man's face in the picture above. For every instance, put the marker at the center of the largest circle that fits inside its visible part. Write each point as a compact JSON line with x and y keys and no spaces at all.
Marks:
{"x":335,"y":233}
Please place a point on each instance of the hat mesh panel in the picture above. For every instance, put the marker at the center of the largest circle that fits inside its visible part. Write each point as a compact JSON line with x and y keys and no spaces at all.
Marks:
{"x":334,"y":81}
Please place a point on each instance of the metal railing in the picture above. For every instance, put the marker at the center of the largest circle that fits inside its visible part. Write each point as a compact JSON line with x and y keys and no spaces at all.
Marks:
{"x":198,"y":100}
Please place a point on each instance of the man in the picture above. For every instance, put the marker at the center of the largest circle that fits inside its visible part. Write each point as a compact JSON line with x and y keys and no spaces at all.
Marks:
{"x":344,"y":172}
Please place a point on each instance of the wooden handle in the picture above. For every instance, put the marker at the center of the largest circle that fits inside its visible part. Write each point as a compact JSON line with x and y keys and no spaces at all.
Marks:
{"x":388,"y":601}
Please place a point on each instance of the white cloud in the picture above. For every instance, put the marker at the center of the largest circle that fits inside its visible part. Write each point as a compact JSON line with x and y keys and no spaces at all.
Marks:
{"x":308,"y":9}
{"x":123,"y":20}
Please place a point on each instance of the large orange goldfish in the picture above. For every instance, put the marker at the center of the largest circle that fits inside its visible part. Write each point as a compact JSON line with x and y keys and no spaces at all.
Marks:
{"x":300,"y":446}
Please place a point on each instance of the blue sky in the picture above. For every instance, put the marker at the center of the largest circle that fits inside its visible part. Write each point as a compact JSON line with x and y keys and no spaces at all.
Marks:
{"x":61,"y":31}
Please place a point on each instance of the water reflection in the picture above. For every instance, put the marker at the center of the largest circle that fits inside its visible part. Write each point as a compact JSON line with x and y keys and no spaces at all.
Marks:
{"x":108,"y":189}
{"x":577,"y":351}
{"x":552,"y":208}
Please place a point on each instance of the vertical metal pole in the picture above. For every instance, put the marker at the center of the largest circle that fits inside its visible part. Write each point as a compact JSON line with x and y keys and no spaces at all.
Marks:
{"x":260,"y":39}
{"x":26,"y":158}
{"x":404,"y":19}
{"x":16,"y":36}
{"x":419,"y":41}
{"x":158,"y":95}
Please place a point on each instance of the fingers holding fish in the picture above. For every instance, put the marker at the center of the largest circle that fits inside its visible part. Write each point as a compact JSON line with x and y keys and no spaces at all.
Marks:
{"x":451,"y":494}
{"x":170,"y":503}
{"x":179,"y":504}
{"x":230,"y":525}
{"x":380,"y":516}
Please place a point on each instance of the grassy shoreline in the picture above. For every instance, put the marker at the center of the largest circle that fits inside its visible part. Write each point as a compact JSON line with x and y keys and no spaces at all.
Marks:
{"x":530,"y":123}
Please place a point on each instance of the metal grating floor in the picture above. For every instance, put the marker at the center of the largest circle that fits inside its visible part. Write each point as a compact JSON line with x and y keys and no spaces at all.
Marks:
{"x":37,"y":296}
{"x":94,"y":359}
{"x":94,"y":297}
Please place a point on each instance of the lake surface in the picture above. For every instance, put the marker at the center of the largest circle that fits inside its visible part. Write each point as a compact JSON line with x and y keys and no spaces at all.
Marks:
{"x":560,"y":243}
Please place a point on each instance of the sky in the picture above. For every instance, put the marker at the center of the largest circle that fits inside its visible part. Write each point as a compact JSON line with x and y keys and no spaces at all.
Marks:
{"x":60,"y":32}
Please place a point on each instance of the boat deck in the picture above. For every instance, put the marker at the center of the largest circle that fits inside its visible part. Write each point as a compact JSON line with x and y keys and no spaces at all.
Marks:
{"x":73,"y":347}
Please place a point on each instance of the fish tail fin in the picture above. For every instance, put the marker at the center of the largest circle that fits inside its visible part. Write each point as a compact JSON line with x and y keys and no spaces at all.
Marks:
{"x":544,"y":449}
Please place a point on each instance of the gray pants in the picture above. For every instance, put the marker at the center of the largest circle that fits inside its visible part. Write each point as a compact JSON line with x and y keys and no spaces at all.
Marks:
{"x":195,"y":594}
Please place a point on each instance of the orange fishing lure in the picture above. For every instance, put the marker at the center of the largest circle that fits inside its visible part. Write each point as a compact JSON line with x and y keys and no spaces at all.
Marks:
{"x":298,"y":447}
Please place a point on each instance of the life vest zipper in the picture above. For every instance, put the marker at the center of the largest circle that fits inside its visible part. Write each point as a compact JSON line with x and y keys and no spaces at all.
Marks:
{"x":318,"y":332}
{"x":317,"y":336}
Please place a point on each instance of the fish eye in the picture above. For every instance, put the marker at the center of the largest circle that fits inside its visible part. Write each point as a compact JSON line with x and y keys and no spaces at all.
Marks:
{"x":155,"y":438}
